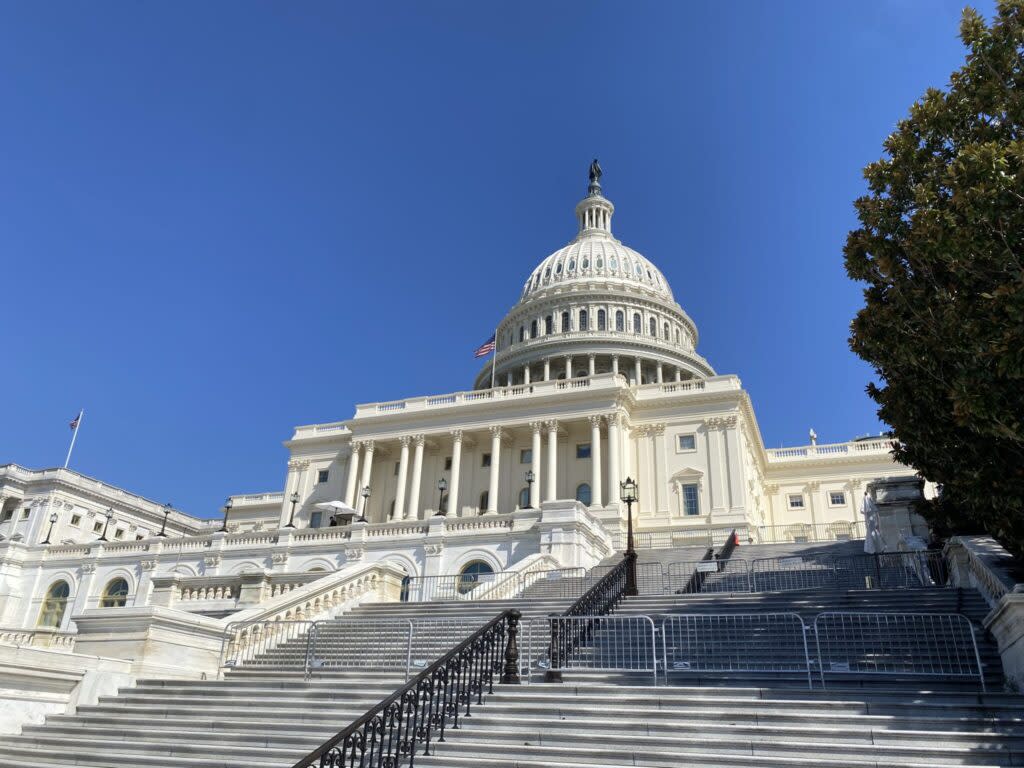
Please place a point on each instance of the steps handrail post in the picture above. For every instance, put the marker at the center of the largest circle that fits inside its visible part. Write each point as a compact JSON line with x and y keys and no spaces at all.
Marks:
{"x":510,"y":675}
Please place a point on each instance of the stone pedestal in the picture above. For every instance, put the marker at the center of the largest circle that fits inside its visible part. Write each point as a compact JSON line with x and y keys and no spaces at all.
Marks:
{"x":570,"y":534}
{"x":160,"y":642}
{"x":892,"y":524}
{"x":1006,"y":623}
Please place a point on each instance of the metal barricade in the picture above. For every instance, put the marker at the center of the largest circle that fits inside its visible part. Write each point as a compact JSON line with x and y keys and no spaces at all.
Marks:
{"x":650,"y":577}
{"x":781,"y":574}
{"x":891,"y":570}
{"x":347,"y":643}
{"x":735,"y":642}
{"x":931,"y":644}
{"x":281,"y":643}
{"x":606,"y":643}
{"x":689,"y":577}
{"x":502,"y":585}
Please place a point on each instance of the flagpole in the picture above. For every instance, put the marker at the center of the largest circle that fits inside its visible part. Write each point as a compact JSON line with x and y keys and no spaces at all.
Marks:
{"x":78,"y":423}
{"x":494,"y":356}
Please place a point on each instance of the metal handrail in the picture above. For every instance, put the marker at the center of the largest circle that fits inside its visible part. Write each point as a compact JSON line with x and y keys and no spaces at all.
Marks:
{"x":389,"y":733}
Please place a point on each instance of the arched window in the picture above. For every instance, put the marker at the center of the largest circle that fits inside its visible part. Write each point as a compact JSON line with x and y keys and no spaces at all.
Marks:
{"x":115,"y":594}
{"x":473,"y":574}
{"x":666,"y":332}
{"x":637,"y":324}
{"x":524,"y":498}
{"x":484,"y":498}
{"x":547,"y":273}
{"x":565,"y":322}
{"x":572,"y":265}
{"x":522,"y":333}
{"x":583,"y":493}
{"x":654,"y":327}
{"x":600,"y":262}
{"x":677,"y":335}
{"x":533,"y":329}
{"x":613,"y":263}
{"x":549,"y":325}
{"x":584,"y":320}
{"x":403,"y":596}
{"x":54,"y":605}
{"x":602,"y":320}
{"x":558,"y":268}
{"x":620,"y":320}
{"x":586,"y":262}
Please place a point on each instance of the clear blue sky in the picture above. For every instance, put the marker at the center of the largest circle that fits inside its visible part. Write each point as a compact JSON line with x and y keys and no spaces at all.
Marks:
{"x":220,"y":220}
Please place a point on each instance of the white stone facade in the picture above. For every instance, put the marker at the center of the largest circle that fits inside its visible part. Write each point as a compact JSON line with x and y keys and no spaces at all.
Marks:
{"x":597,"y":377}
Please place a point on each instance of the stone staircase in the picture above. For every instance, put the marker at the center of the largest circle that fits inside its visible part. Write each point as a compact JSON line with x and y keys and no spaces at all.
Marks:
{"x":267,"y":712}
{"x":264,"y":713}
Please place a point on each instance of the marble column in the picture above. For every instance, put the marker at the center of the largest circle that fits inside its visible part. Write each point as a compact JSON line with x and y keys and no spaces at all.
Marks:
{"x":661,"y":378}
{"x":593,"y":365}
{"x":453,"y":488}
{"x":568,"y":367}
{"x":526,"y":374}
{"x":509,"y":379}
{"x":367,"y":467}
{"x":614,"y":456}
{"x":551,"y":487}
{"x":403,"y":476}
{"x":492,"y":490}
{"x":413,"y":508}
{"x":595,"y":462}
{"x":637,"y":371}
{"x":353,"y":474}
{"x":615,"y":364}
{"x":535,"y":465}
{"x":547,"y":369}
{"x":679,"y":374}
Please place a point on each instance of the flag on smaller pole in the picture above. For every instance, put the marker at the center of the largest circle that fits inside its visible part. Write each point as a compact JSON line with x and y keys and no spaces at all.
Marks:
{"x":486,"y":348}
{"x":74,"y":422}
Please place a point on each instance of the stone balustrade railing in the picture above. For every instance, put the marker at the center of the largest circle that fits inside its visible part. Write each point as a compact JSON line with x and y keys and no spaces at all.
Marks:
{"x":38,"y":638}
{"x":881,"y":446}
{"x":979,"y":562}
{"x":196,"y":593}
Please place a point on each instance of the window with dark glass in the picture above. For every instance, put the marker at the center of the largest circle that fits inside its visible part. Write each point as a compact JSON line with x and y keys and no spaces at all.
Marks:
{"x":584,"y":320}
{"x":549,"y":325}
{"x":565,"y":322}
{"x":583,"y":493}
{"x":322,"y":476}
{"x":637,"y":323}
{"x":602,"y":320}
{"x":533,"y":329}
{"x":654,"y":327}
{"x":582,"y":450}
{"x":691,"y":501}
{"x":620,"y":320}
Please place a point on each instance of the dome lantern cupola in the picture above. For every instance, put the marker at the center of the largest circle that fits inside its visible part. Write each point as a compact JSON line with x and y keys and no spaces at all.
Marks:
{"x":594,"y":212}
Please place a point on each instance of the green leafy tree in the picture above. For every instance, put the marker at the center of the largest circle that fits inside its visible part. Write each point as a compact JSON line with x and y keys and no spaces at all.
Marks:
{"x":940,"y":246}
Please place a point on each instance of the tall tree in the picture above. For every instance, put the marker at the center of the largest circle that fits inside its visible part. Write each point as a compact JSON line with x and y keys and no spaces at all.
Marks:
{"x":940,"y":247}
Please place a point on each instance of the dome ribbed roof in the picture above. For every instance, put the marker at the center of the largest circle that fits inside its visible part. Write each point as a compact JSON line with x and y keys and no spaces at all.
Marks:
{"x":597,"y":257}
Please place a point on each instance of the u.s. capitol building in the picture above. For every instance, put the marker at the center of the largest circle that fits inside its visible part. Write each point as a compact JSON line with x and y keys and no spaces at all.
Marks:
{"x":596,"y":377}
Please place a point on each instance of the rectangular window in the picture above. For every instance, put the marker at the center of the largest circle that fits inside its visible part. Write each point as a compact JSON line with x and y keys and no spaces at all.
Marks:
{"x":691,"y":501}
{"x":396,"y":467}
{"x":97,"y":527}
{"x":315,"y":519}
{"x":25,"y":513}
{"x":796,"y":501}
{"x":526,"y":456}
{"x":118,"y":534}
{"x":836,"y":498}
{"x":447,"y":463}
{"x":485,"y":460}
{"x":75,"y":520}
{"x":139,"y":537}
{"x":322,"y":475}
{"x":7,"y":516}
{"x":687,"y":443}
{"x":582,"y":450}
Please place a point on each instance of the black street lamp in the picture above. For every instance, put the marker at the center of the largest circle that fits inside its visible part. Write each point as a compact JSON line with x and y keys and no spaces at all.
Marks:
{"x":53,"y":519}
{"x":109,"y":514}
{"x":530,"y":477}
{"x":291,"y":518}
{"x":366,"y":500}
{"x":163,"y":525}
{"x":442,"y":486}
{"x":227,"y":508}
{"x":628,"y":495}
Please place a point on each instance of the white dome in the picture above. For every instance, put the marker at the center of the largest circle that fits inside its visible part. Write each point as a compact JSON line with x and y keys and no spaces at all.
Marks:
{"x":597,"y":256}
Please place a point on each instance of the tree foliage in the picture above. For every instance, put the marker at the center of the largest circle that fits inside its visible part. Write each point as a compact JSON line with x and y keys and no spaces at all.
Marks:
{"x":940,"y":246}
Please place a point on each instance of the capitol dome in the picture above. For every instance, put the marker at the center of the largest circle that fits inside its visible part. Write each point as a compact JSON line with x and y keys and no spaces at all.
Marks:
{"x":595,"y":306}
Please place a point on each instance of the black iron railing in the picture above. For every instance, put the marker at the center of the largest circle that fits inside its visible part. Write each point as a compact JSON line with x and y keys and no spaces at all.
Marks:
{"x":418,"y":714}
{"x":696,"y":582}
{"x":600,"y":599}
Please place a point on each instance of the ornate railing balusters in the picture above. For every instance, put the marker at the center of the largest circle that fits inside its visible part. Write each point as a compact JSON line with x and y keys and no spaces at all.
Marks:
{"x":419,"y":713}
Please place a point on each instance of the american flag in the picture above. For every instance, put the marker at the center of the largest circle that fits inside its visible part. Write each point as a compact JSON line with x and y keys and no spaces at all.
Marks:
{"x":486,"y":348}
{"x":74,"y":422}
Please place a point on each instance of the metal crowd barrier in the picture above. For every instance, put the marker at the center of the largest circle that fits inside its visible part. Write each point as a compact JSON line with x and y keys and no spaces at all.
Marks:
{"x":684,"y":644}
{"x":737,"y":642}
{"x":246,"y":642}
{"x":714,"y":576}
{"x":931,"y":644}
{"x":502,"y":585}
{"x":601,"y":643}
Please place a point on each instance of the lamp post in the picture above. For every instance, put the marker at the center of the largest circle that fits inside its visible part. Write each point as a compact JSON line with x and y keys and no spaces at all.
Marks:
{"x":109,"y":514}
{"x":163,"y":526}
{"x":294,"y":499}
{"x":366,"y":500}
{"x":442,"y":486}
{"x":227,"y":508}
{"x":530,"y":477}
{"x":53,"y":519}
{"x":627,"y":493}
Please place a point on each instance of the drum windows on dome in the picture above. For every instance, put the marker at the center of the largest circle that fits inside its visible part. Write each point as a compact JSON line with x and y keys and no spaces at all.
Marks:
{"x":637,"y":323}
{"x":600,"y":262}
{"x":620,"y":320}
{"x":549,"y":325}
{"x":572,"y":265}
{"x":602,"y":320}
{"x":586,"y":263}
{"x":565,"y":322}
{"x":654,"y":327}
{"x":613,"y":263}
{"x":584,"y":320}
{"x":558,"y":268}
